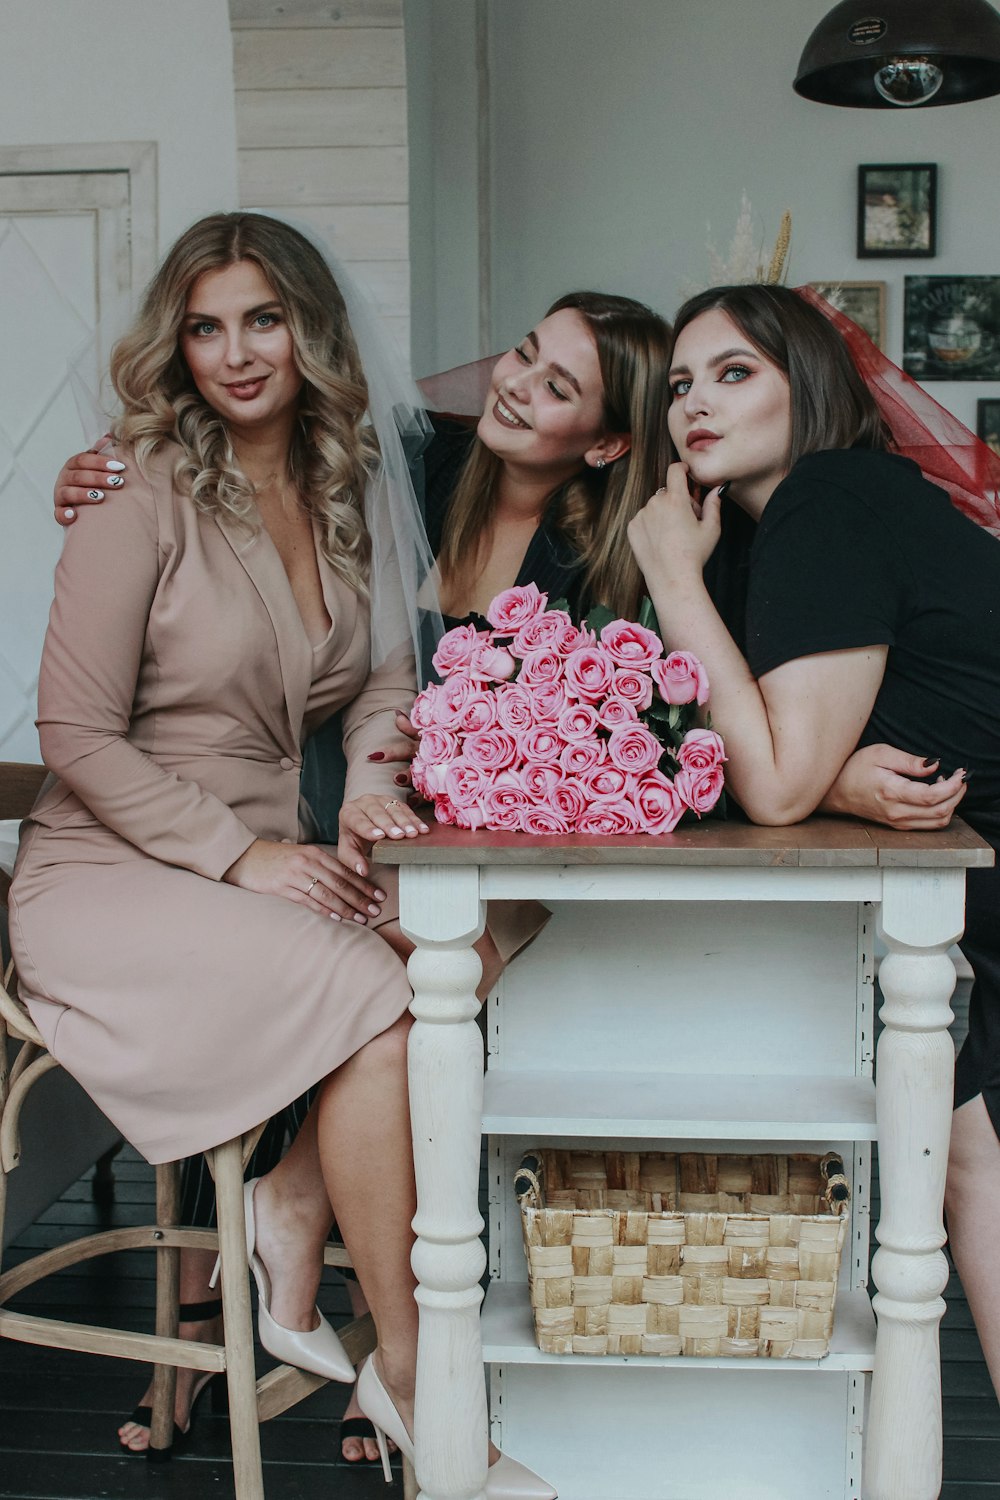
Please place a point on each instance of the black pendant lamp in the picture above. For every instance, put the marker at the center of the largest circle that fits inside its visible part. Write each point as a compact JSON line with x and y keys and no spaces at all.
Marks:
{"x":894,"y":54}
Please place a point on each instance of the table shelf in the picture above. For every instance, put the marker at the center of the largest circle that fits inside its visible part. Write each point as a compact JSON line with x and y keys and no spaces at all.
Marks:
{"x":679,"y":1107}
{"x":509,"y":1339}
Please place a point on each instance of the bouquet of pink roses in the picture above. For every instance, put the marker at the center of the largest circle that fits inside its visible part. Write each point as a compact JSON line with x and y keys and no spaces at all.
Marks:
{"x":544,"y":726}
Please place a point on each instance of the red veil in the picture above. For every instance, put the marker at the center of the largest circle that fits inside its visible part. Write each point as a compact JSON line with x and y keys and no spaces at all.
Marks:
{"x":948,"y":453}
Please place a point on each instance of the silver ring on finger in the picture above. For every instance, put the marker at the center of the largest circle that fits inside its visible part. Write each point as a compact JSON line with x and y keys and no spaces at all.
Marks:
{"x":393,"y":802}
{"x":314,"y":881}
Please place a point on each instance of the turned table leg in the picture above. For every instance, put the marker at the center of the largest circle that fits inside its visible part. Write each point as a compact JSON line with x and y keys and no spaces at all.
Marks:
{"x":922,"y":915}
{"x":441,"y":911}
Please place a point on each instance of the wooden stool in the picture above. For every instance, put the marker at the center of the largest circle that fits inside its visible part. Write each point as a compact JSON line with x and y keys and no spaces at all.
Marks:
{"x":251,"y":1401}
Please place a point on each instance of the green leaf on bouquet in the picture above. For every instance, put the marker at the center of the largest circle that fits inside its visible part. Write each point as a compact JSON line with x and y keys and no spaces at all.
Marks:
{"x":562,"y":604}
{"x":597,"y":617}
{"x":647,"y":615}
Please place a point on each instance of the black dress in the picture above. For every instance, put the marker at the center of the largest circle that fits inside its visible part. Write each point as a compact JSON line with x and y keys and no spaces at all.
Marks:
{"x":854,"y":549}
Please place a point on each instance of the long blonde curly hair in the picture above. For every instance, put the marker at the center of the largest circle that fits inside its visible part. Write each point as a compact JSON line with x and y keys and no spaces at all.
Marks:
{"x":333,"y":451}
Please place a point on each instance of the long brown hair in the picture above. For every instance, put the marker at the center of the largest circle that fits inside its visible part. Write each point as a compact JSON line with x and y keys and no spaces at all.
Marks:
{"x":332,"y":451}
{"x":831,"y":405}
{"x":593,"y":508}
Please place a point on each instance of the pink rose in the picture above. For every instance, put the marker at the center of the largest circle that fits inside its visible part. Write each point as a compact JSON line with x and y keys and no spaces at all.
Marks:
{"x":681,"y":678}
{"x":541,"y":666}
{"x":545,"y":630}
{"x":605,"y":783}
{"x":631,"y":645}
{"x":578,"y":721}
{"x":544,"y":820}
{"x":419,"y":778}
{"x":634,"y":748}
{"x":540,"y":743}
{"x":455,"y":648}
{"x":490,"y":750}
{"x":437,"y":745}
{"x":548,"y":699}
{"x":515,"y":708}
{"x":452,"y":698}
{"x":515,"y":607}
{"x":658,"y":802}
{"x":471,"y":817}
{"x":492,"y":664}
{"x":700,"y":749}
{"x":504,"y":804}
{"x":610,"y":818}
{"x":465,"y":783}
{"x":634,"y":686}
{"x":479,"y":713}
{"x":614,"y":712}
{"x":538,"y":779}
{"x":589,"y":673}
{"x":568,"y":799}
{"x":578,"y":759}
{"x":699,"y":790}
{"x":423,"y":714}
{"x":443,"y":811}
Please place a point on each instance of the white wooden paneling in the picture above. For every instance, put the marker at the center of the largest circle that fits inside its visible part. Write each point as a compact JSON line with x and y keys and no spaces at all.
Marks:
{"x":359,"y":232}
{"x":320,"y":117}
{"x":387,"y":283}
{"x":250,"y":13}
{"x":327,"y":175}
{"x":364,"y":57}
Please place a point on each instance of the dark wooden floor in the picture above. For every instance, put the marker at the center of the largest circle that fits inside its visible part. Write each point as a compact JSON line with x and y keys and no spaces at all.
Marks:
{"x":58,"y":1412}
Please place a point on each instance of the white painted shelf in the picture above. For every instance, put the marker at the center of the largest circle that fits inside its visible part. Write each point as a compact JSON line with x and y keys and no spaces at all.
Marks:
{"x":689,"y":1107}
{"x":509,"y":1339}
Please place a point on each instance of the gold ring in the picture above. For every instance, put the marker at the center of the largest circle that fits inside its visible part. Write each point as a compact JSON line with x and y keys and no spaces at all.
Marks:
{"x":394,"y":802}
{"x":314,"y":881}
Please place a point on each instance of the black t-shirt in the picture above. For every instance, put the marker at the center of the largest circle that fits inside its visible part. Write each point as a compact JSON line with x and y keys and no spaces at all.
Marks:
{"x":856,"y":548}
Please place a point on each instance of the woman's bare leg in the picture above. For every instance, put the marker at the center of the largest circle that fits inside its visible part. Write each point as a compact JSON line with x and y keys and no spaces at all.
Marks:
{"x":195,"y":1270}
{"x":972,"y":1199}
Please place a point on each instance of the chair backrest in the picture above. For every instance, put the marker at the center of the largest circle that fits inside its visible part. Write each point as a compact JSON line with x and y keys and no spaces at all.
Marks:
{"x":19,"y":785}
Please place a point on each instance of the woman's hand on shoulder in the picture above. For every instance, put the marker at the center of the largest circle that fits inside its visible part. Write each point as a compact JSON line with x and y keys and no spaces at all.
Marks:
{"x":366,"y":820}
{"x":675,"y":533}
{"x":886,"y":785}
{"x":309,"y":875}
{"x":84,"y":479}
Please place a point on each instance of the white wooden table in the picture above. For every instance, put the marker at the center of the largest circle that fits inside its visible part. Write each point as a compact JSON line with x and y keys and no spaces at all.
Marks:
{"x":711,"y":988}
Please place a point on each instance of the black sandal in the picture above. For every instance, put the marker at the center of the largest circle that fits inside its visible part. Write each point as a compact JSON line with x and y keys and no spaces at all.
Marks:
{"x":357,"y":1427}
{"x":142,"y":1415}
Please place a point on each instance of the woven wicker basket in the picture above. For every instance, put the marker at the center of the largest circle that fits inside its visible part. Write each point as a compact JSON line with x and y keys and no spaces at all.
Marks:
{"x":651,"y":1253}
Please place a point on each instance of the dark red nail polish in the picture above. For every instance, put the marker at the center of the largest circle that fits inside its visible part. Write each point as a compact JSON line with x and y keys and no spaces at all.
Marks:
{"x":376,"y":755}
{"x":401,"y":780}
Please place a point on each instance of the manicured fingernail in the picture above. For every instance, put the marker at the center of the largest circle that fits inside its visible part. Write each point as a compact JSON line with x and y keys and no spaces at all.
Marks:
{"x":70,"y":513}
{"x":931,"y":760}
{"x":95,"y":494}
{"x":374,"y":910}
{"x":377,"y":755}
{"x":966,"y":775}
{"x":334,"y":916}
{"x":360,"y":869}
{"x":358,"y":917}
{"x":401,"y":780}
{"x":380,"y":895}
{"x":114,"y":466}
{"x":115,"y":482}
{"x":424,"y":828}
{"x":376,"y":833}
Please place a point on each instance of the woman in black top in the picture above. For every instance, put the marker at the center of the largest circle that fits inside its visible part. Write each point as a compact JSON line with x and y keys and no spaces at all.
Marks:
{"x":873,"y":614}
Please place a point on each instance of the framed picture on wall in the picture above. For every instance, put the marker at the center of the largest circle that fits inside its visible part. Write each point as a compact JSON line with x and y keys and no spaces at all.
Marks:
{"x":951,"y":327}
{"x":897,"y":210}
{"x":988,"y":422}
{"x":861,"y":301}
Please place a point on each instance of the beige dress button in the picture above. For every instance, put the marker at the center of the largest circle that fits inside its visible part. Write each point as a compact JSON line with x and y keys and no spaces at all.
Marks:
{"x":286,"y":764}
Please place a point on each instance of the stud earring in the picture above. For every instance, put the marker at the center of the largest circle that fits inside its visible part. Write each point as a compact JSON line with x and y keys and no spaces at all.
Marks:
{"x":601,"y":464}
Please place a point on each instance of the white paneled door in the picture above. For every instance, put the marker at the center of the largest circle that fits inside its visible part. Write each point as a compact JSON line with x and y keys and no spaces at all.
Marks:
{"x":66,"y":274}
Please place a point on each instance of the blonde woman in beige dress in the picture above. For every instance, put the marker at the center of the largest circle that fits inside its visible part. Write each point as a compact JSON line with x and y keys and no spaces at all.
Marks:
{"x":192,"y":964}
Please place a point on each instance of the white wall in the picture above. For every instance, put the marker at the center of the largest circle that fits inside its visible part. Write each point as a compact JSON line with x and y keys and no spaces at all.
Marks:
{"x":619,"y":132}
{"x":128,"y":70}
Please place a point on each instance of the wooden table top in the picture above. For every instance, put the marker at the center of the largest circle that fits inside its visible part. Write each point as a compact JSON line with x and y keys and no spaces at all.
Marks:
{"x":816,"y":843}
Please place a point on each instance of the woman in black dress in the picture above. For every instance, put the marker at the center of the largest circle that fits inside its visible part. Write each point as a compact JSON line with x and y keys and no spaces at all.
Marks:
{"x":871,"y":617}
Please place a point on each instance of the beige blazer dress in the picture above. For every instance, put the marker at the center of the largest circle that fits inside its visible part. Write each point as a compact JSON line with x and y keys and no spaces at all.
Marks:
{"x":176,"y":689}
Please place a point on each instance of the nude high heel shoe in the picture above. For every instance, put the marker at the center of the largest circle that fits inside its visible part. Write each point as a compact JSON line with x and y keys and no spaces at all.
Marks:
{"x":319,"y":1350}
{"x":505,"y":1480}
